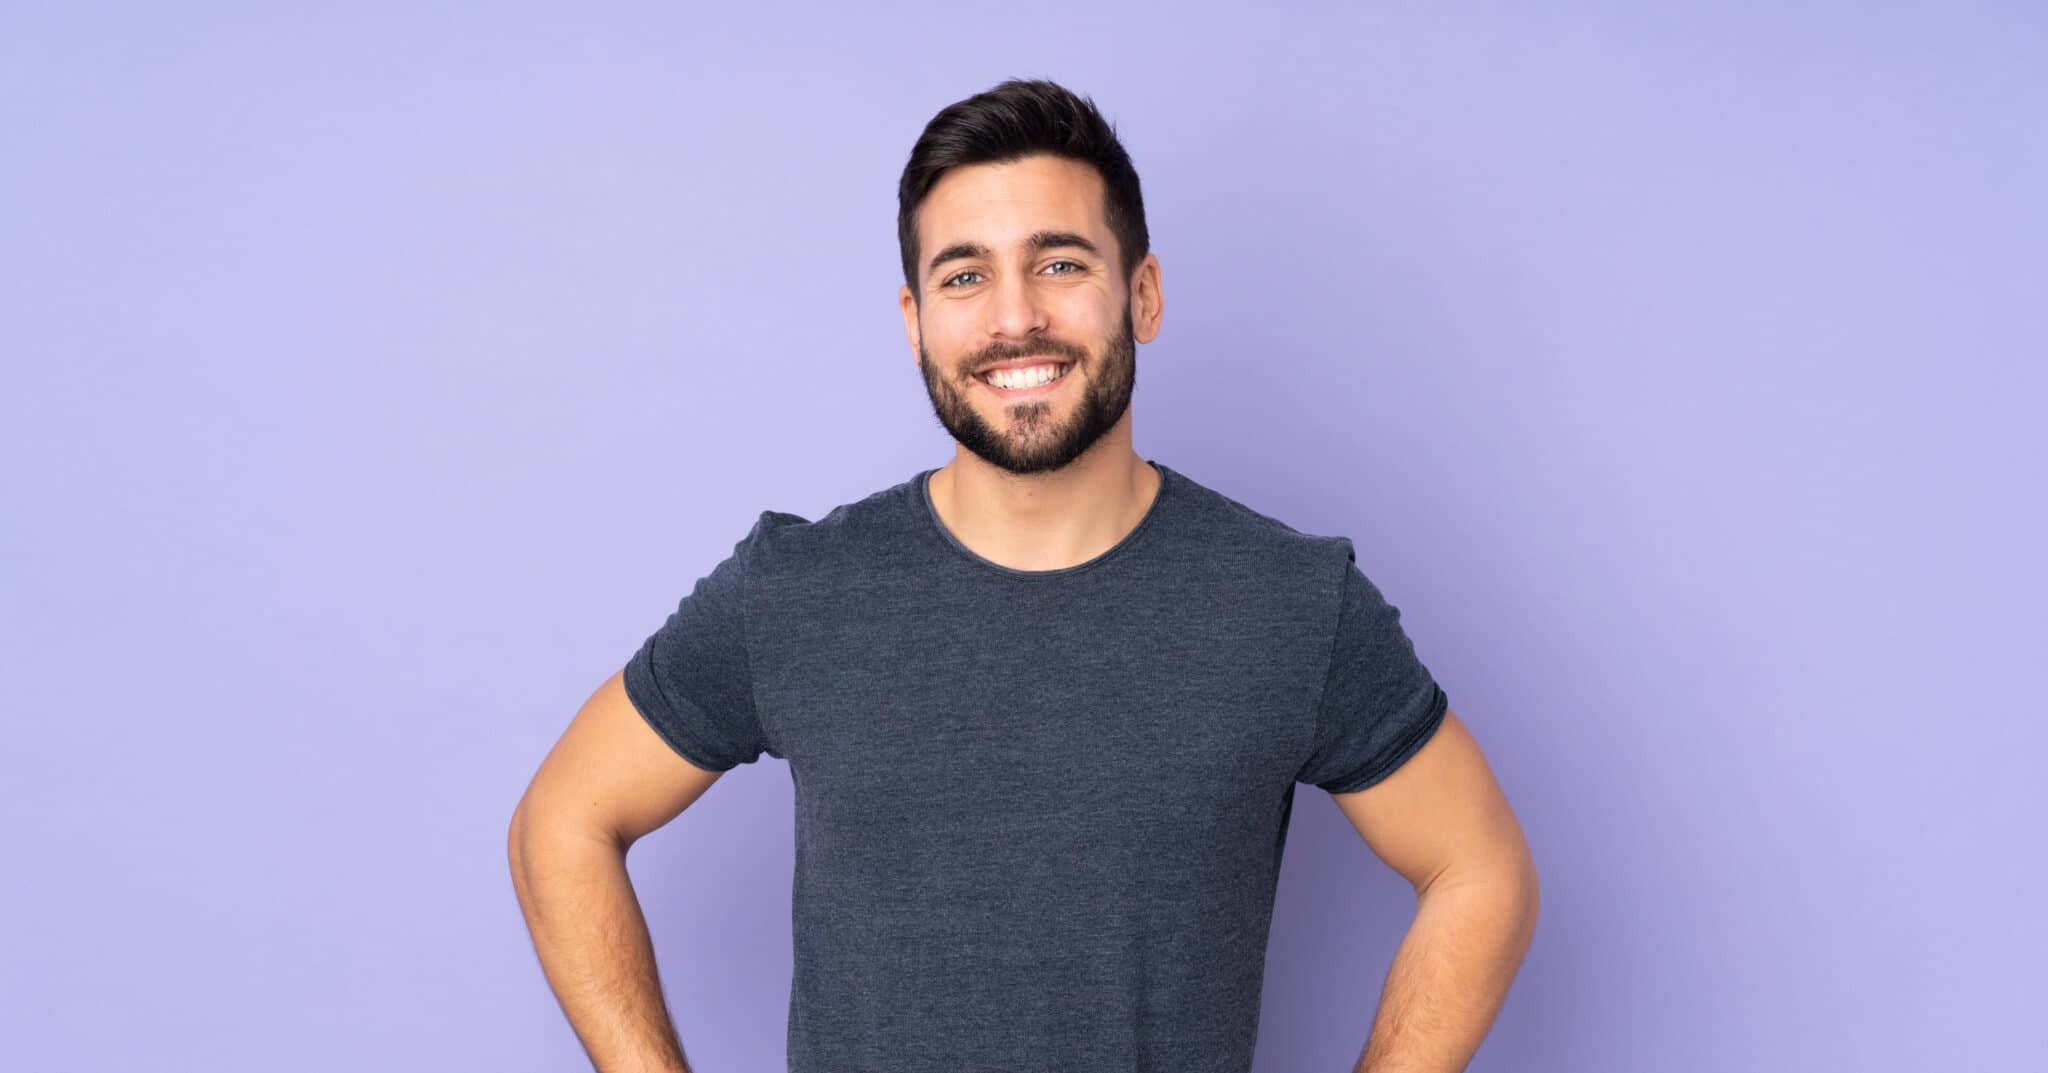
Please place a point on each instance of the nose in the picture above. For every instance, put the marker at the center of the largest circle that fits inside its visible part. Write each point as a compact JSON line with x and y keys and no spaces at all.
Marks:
{"x":1015,"y":312}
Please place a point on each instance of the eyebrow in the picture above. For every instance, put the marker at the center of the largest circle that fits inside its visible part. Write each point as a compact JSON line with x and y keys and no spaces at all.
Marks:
{"x":1039,"y":240}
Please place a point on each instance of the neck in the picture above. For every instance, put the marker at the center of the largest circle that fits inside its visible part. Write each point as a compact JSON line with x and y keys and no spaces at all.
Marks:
{"x":1045,"y":521}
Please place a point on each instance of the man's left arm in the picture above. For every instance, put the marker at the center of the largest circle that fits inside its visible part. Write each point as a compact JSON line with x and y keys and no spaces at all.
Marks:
{"x":1441,"y":821}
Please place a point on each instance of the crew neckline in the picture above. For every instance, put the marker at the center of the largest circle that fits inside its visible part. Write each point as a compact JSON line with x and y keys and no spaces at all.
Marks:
{"x":922,"y":484}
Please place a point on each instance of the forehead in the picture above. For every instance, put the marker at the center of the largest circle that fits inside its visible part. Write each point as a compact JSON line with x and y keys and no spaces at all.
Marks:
{"x":1000,"y":204}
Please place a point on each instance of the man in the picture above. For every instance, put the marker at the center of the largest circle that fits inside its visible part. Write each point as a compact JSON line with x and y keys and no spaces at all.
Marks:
{"x":1044,"y":706}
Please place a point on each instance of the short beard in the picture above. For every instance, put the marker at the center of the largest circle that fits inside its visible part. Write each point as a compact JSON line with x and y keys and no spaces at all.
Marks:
{"x":1036,"y":447}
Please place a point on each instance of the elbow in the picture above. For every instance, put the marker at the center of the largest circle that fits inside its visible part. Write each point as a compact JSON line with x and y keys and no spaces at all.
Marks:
{"x":537,"y":839}
{"x":1508,"y":879}
{"x":1527,"y":891}
{"x":515,"y":848}
{"x":1521,"y":879}
{"x":1507,"y":867}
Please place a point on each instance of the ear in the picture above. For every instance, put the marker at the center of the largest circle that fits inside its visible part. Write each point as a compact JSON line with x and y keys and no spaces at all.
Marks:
{"x":913,"y":332}
{"x":1147,"y":300}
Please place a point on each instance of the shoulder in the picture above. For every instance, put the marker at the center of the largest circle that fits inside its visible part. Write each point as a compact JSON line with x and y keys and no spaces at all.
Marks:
{"x":1260,"y":544}
{"x":850,"y":534}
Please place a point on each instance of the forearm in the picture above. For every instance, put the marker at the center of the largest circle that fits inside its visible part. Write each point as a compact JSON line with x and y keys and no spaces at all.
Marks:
{"x":594,"y":948}
{"x":1451,"y":974}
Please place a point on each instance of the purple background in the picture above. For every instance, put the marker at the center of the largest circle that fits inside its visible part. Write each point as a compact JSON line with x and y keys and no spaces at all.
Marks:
{"x":377,"y":380}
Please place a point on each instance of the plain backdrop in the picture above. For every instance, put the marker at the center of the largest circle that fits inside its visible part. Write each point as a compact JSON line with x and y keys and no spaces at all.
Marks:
{"x":377,"y":378}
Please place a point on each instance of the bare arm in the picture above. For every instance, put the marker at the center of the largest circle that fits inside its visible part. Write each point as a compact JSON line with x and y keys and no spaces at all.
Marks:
{"x":1442,"y":822}
{"x":608,"y":781}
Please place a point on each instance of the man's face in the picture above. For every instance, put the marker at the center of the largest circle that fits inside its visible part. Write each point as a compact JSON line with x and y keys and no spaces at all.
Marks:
{"x":1008,"y":272}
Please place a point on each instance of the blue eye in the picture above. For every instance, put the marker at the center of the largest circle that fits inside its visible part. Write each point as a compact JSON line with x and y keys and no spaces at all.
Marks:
{"x":953,"y":280}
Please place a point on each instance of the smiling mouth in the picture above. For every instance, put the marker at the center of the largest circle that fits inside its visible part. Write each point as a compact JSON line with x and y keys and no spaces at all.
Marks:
{"x":1020,"y":380}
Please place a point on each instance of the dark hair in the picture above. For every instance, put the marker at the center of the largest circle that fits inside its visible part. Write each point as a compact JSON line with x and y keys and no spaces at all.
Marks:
{"x":1019,"y":118}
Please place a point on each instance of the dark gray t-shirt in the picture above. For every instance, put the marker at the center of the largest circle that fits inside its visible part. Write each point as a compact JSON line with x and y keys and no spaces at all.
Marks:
{"x":1039,"y":814}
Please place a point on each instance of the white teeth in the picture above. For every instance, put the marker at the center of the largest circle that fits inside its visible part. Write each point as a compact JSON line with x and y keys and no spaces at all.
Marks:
{"x":1014,"y":379}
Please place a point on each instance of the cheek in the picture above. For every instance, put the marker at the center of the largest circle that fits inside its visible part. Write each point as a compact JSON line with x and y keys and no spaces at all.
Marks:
{"x":1086,"y":319}
{"x":947,"y":338}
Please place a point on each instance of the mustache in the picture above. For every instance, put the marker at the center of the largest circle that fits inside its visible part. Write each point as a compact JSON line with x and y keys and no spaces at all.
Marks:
{"x":1044,"y":348}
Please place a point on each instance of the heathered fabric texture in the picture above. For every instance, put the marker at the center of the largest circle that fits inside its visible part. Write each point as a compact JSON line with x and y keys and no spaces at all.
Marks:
{"x":1039,"y":814}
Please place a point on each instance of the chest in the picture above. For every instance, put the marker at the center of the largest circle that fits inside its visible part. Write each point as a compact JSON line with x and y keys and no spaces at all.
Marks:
{"x":1060,"y":705}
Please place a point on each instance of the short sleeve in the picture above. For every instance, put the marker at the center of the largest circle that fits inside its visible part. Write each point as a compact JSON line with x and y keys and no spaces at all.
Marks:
{"x":691,"y":679}
{"x":1379,"y":702}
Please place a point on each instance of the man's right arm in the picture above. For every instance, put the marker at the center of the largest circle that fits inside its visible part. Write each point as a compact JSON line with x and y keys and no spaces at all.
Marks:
{"x":609,"y":780}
